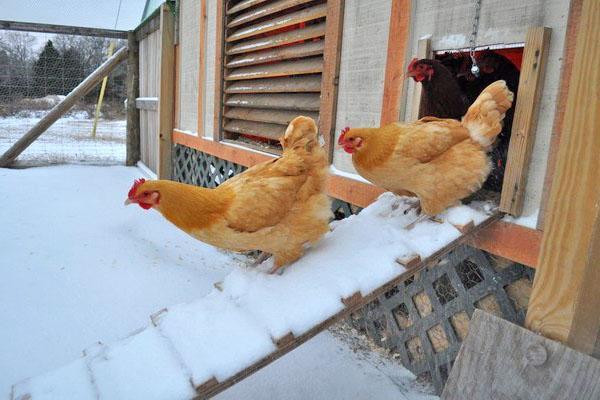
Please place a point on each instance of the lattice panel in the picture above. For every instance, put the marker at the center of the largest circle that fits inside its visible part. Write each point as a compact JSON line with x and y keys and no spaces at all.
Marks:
{"x":201,"y":169}
{"x":425,"y":319}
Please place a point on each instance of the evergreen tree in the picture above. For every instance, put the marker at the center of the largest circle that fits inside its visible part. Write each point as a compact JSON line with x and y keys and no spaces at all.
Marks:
{"x":72,"y":70}
{"x":47,"y":72}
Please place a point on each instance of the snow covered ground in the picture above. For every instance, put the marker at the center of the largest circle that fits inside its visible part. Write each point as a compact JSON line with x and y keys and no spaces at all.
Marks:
{"x":77,"y":267}
{"x":67,"y":140}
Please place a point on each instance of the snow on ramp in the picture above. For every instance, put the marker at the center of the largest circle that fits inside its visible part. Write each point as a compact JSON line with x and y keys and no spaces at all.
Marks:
{"x":220,"y":335}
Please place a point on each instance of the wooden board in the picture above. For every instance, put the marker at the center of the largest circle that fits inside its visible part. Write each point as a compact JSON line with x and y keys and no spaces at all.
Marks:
{"x":133,"y":91}
{"x":561,"y":99}
{"x":296,"y":101}
{"x":296,"y":84}
{"x":311,"y":65}
{"x":278,"y":39}
{"x":300,"y":50}
{"x":166,"y":92}
{"x":201,"y":66}
{"x":271,"y":24}
{"x":524,"y":125}
{"x":500,"y":360}
{"x":398,"y":42}
{"x":62,"y":29}
{"x":261,"y":129}
{"x":219,"y":61}
{"x":564,"y":303}
{"x":280,"y":117}
{"x":242,"y":5}
{"x":423,"y":51}
{"x":262,"y":11}
{"x":210,"y":390}
{"x":331,"y":72}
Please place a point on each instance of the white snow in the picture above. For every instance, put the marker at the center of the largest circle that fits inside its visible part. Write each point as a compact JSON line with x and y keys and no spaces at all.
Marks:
{"x":335,"y":171}
{"x":78,"y":267}
{"x":528,"y":221}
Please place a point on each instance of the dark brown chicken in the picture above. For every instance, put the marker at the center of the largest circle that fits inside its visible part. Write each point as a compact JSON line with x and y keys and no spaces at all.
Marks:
{"x":441,"y":96}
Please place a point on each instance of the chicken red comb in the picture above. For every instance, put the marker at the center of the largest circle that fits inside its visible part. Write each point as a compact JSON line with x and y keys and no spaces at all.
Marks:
{"x":136,"y":184}
{"x":342,"y":136}
{"x":411,"y":66}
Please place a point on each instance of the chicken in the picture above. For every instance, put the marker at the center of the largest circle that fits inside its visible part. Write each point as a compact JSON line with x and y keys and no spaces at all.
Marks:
{"x":441,"y":96}
{"x":277,"y":206}
{"x":440,"y":160}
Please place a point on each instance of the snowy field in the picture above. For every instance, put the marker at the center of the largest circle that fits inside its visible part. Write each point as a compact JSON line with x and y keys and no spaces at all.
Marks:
{"x":68,"y":140}
{"x":77,"y":267}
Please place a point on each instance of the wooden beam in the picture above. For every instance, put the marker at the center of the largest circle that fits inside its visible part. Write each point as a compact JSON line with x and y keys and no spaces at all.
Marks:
{"x":522,"y":138}
{"x":331,"y":72}
{"x":147,"y":103}
{"x":398,"y":43}
{"x":219,"y":62}
{"x":61,"y":108}
{"x":133,"y":91}
{"x":564,"y":301}
{"x":423,"y":51}
{"x":561,"y":99}
{"x":166,"y":92}
{"x":62,"y":29}
{"x":500,"y":360}
{"x":149,"y":26}
{"x":517,"y":243}
{"x":201,"y":67}
{"x":352,"y":191}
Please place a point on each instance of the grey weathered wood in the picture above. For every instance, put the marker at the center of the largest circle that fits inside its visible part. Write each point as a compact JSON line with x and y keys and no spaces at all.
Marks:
{"x":296,"y":84}
{"x":242,"y":5}
{"x":296,"y":101}
{"x":147,"y":103}
{"x":263,"y":11}
{"x":166,"y":92}
{"x":306,"y":49}
{"x":500,"y":360}
{"x":278,"y":39}
{"x":61,"y":108}
{"x":280,"y":117}
{"x":271,"y":24}
{"x":133,"y":90}
{"x":261,"y":129}
{"x":64,"y":29}
{"x":151,"y":25}
{"x":312,"y":65}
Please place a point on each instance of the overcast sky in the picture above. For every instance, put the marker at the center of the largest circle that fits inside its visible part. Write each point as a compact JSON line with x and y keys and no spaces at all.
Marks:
{"x":88,"y":13}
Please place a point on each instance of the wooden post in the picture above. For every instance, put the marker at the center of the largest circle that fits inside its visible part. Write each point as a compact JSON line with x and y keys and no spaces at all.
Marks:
{"x":524,"y":125}
{"x":133,"y":90}
{"x":166,"y":92}
{"x":398,"y":43}
{"x":331,"y":72}
{"x":219,"y":61}
{"x":61,"y":108}
{"x":201,"y":67}
{"x":423,"y":51}
{"x":565,"y":298}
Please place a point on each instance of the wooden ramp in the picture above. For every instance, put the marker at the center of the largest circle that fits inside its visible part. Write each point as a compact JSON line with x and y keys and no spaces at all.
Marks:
{"x":186,"y":353}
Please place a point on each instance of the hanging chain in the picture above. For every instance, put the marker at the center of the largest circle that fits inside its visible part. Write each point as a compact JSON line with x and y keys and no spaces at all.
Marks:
{"x":474,"y":67}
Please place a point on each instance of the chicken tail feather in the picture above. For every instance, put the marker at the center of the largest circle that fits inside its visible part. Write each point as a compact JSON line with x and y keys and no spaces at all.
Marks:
{"x":301,"y":132}
{"x":484,"y":117}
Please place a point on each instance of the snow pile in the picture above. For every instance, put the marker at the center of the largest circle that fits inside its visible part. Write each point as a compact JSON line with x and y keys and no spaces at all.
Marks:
{"x":229,"y":330}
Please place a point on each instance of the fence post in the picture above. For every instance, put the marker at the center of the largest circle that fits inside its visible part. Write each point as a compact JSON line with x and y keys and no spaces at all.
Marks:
{"x":133,"y":89}
{"x":166,"y":92}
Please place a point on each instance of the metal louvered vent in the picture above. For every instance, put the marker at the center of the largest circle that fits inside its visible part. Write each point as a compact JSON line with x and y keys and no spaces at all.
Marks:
{"x":272,"y":67}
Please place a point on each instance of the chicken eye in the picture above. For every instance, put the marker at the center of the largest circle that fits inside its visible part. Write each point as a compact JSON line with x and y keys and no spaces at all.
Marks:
{"x":145,"y":193}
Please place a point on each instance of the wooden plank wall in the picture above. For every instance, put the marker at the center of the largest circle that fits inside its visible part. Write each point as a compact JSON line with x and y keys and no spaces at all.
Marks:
{"x":149,"y":78}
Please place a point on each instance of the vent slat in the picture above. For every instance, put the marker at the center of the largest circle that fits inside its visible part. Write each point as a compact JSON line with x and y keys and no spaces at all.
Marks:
{"x":298,"y":84}
{"x":263,"y":11}
{"x":284,"y":68}
{"x":294,"y":18}
{"x":306,"y":49}
{"x":296,"y":101}
{"x":242,"y":5}
{"x":268,"y":116}
{"x":269,"y":131}
{"x":279,"y":39}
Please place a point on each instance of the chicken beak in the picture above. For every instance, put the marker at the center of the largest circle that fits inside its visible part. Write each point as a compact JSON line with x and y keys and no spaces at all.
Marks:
{"x":128,"y":202}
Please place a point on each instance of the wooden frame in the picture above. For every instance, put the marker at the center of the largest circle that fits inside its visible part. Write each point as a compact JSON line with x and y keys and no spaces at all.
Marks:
{"x":559,"y":111}
{"x":423,"y":51}
{"x":62,"y":29}
{"x":331,"y":71}
{"x":219,"y":58}
{"x":201,"y":66}
{"x":394,"y":86}
{"x":524,"y":126}
{"x":564,"y":302}
{"x":166,"y":92}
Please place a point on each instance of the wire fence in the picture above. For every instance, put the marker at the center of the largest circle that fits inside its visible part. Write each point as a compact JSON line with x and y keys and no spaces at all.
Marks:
{"x":37,"y":70}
